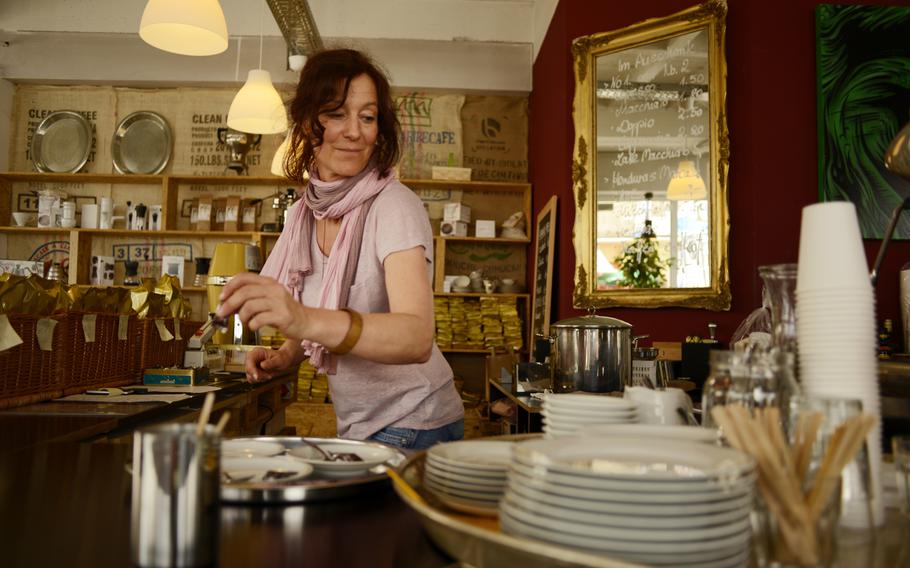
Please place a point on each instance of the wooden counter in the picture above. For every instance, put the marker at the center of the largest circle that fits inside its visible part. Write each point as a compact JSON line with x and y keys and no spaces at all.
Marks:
{"x":255,"y":408}
{"x":69,"y":505}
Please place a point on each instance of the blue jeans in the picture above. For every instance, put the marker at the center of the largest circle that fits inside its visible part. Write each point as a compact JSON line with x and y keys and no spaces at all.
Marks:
{"x":413,"y":439}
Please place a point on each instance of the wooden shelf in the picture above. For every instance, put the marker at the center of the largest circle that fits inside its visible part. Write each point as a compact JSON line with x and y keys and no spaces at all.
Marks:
{"x":487,"y":199}
{"x":479,"y":294}
{"x":142,"y":179}
{"x":519,"y":187}
{"x":151,"y":234}
{"x":492,"y":240}
{"x":36,"y":230}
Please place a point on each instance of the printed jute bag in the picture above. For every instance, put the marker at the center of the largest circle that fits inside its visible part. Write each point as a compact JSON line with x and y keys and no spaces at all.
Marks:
{"x":431,"y":132}
{"x":33,"y":103}
{"x":197,"y":149}
{"x":496,"y":137}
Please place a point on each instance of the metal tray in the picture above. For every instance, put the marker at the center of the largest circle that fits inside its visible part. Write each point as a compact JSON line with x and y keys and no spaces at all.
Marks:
{"x":316,"y":487}
{"x":61,"y":143}
{"x":141,"y":144}
{"x":476,"y":541}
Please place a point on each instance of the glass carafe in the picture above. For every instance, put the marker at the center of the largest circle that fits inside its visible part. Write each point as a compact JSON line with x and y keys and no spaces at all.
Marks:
{"x":780,"y":284}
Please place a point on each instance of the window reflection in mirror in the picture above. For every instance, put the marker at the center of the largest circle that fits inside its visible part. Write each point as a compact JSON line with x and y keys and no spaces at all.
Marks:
{"x":652,"y":229}
{"x":652,"y":127}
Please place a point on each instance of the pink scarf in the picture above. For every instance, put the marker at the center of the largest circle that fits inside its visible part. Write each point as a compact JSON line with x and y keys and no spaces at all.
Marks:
{"x":290,"y":262}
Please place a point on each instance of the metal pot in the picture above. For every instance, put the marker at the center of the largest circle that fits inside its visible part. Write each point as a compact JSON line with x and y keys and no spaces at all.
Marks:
{"x":592,"y":353}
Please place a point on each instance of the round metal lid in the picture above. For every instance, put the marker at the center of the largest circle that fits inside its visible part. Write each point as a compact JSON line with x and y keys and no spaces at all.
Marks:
{"x":592,"y":321}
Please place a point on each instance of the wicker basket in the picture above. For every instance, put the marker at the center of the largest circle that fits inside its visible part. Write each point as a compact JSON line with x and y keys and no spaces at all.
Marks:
{"x":28,"y":374}
{"x":156,"y":353}
{"x":108,"y":361}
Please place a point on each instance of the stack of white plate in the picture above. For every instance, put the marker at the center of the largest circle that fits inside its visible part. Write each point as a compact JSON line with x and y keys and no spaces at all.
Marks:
{"x":567,"y":414}
{"x":835,"y":313}
{"x":659,"y":502}
{"x":468,"y":476}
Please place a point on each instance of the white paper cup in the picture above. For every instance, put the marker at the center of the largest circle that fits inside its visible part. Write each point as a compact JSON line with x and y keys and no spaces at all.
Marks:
{"x":89,"y":216}
{"x":831,"y":254}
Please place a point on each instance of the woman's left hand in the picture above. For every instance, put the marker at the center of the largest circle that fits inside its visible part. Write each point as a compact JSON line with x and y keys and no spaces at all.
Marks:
{"x":260,"y":301}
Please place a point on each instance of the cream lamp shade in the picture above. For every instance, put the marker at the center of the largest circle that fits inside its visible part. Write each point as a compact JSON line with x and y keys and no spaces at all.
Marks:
{"x":257,"y":107}
{"x":186,"y":27}
{"x":278,"y":160}
{"x":686,"y":183}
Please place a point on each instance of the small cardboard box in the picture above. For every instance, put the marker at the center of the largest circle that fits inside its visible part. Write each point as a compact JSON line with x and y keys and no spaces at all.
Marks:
{"x":485,"y":228}
{"x":451,"y":173}
{"x":247,"y":216}
{"x":173,"y":265}
{"x":218,"y":206}
{"x":204,"y":213}
{"x":456,"y":212}
{"x":232,"y":213}
{"x":453,"y":229}
{"x":194,"y":213}
{"x":175,"y":376}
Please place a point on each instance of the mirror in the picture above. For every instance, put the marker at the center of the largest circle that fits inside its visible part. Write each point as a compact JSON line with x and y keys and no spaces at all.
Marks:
{"x":649,"y":169}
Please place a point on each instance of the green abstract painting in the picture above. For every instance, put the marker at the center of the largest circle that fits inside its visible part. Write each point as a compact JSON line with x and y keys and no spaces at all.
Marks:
{"x":863,"y":87}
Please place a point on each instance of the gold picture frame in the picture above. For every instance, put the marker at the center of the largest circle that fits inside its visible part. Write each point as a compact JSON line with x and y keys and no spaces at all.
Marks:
{"x":672,"y":93}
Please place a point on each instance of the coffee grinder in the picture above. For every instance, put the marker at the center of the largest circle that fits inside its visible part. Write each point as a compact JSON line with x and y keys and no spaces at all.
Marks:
{"x":230,"y":336}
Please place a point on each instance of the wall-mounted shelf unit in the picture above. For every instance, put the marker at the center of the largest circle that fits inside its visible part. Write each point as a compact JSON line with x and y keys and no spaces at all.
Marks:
{"x":496,"y":257}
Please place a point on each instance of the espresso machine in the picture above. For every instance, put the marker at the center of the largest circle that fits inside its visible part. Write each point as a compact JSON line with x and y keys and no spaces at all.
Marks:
{"x":228,"y":336}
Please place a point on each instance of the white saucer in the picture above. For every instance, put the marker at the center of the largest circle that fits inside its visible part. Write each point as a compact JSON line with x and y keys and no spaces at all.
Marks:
{"x":253,"y":469}
{"x":250,"y":448}
{"x":370,"y":454}
{"x":473,"y":454}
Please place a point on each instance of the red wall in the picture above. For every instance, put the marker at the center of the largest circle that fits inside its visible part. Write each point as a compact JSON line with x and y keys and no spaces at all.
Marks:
{"x":773,"y":164}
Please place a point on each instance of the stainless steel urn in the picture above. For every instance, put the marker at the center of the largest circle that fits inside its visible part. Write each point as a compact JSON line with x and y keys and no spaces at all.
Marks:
{"x":592,"y":353}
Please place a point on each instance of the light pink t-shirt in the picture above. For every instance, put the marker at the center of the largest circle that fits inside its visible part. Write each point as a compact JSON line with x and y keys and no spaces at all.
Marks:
{"x":369,"y":396}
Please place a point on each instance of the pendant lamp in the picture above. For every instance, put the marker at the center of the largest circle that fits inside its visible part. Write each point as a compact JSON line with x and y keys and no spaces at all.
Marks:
{"x":686,"y":183}
{"x":278,"y":160}
{"x":257,"y":108}
{"x":185,"y":27}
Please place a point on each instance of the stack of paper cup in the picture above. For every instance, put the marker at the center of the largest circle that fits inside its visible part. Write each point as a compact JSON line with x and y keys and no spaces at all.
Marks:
{"x":835,"y":312}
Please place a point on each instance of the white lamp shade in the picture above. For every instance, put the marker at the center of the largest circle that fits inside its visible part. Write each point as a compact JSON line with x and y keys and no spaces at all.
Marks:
{"x":278,"y":160}
{"x":257,"y":107}
{"x":686,"y":183}
{"x":186,"y":27}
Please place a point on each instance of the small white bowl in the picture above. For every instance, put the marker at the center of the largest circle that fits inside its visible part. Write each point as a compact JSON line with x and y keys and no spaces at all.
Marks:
{"x":67,"y":223}
{"x":23,"y":218}
{"x":461,"y":282}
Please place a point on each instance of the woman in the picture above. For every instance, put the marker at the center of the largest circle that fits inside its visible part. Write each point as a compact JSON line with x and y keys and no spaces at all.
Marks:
{"x":358,"y":242}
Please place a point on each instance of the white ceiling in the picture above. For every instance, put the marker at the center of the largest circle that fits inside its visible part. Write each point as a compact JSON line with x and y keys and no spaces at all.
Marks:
{"x":450,"y":44}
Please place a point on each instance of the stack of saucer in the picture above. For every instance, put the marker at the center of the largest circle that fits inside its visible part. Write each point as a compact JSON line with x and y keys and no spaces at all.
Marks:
{"x":835,"y":324}
{"x":567,"y":414}
{"x":468,"y":476}
{"x":657,"y":502}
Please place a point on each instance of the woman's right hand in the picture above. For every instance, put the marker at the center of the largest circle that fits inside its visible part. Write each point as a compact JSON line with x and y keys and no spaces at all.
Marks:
{"x":263,"y":364}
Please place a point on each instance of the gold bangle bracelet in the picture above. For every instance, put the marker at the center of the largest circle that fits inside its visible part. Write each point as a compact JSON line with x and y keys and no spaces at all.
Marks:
{"x":352,"y":336}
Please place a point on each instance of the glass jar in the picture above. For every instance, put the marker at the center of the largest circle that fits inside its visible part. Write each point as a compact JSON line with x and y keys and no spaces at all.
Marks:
{"x":718,"y":384}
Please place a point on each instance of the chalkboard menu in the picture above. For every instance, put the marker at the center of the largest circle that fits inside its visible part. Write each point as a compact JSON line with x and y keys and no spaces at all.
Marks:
{"x":544,"y":241}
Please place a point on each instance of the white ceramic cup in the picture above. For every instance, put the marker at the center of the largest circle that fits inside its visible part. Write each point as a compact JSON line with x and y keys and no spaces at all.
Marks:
{"x":668,"y":406}
{"x":106,"y":214}
{"x":89,"y":216}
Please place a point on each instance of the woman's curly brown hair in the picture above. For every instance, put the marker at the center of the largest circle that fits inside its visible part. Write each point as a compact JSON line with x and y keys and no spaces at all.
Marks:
{"x":323,"y":87}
